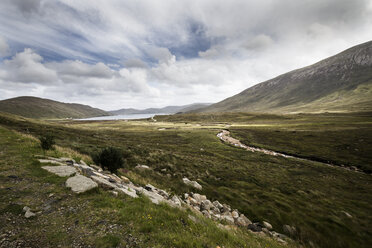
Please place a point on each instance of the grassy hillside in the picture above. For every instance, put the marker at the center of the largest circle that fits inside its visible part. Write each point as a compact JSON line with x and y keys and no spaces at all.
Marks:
{"x":311,"y":196}
{"x":34,"y":107}
{"x":96,"y":218}
{"x":339,"y":83}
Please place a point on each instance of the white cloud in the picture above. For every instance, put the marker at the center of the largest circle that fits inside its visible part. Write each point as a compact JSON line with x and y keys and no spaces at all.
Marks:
{"x":4,"y":48}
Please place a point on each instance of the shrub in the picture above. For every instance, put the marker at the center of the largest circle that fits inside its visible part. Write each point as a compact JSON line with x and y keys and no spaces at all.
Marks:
{"x":47,"y":142}
{"x":110,"y":158}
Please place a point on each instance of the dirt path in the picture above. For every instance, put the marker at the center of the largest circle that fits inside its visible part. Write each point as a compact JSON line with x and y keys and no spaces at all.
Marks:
{"x":224,"y":135}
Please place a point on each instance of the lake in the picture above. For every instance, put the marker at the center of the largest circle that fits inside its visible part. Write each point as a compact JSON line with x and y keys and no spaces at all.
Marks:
{"x":121,"y":117}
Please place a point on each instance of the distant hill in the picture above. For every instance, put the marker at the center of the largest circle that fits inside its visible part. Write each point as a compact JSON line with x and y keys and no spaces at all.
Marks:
{"x":165,"y":110}
{"x":340,"y":83}
{"x":34,"y":107}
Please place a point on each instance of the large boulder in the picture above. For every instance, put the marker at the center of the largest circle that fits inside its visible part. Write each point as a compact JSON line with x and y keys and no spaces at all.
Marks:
{"x":62,"y":170}
{"x":80,"y":184}
{"x":192,"y":183}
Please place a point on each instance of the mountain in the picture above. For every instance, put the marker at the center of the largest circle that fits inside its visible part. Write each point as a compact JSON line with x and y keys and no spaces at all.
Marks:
{"x":165,"y":110}
{"x":34,"y":107}
{"x":339,"y":83}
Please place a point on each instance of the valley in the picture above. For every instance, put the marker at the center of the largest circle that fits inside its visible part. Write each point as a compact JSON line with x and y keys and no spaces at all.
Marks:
{"x":323,"y":203}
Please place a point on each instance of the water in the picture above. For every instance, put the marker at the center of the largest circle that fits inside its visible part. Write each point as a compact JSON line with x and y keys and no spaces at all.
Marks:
{"x":121,"y":117}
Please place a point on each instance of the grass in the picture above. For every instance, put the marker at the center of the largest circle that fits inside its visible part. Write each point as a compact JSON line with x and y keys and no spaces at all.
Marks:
{"x":308,"y":195}
{"x":95,"y":218}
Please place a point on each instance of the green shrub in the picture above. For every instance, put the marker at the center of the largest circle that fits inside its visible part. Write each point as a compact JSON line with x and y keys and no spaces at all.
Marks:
{"x":47,"y":142}
{"x":110,"y":158}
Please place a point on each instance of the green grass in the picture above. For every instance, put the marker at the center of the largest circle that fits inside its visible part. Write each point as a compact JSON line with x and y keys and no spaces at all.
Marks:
{"x":95,"y":218}
{"x":308,"y":195}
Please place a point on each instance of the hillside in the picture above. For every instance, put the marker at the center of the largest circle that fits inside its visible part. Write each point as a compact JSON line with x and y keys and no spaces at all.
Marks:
{"x":34,"y":107}
{"x":339,"y":83}
{"x":165,"y":110}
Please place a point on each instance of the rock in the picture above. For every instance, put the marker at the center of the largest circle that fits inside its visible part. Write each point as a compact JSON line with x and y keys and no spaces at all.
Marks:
{"x":246,"y":220}
{"x":128,"y":191}
{"x":225,"y":208}
{"x":347,"y":214}
{"x":50,"y":161}
{"x":192,"y":201}
{"x":154,"y":197}
{"x":163,"y":193}
{"x":176,"y":200}
{"x":142,"y":167}
{"x":114,"y":193}
{"x":206,"y":205}
{"x":29,"y":214}
{"x":192,"y":183}
{"x":290,"y":230}
{"x":254,"y":228}
{"x":150,"y":187}
{"x":163,"y":170}
{"x":97,"y":168}
{"x":103,"y":182}
{"x":25,"y":209}
{"x":125,"y":179}
{"x":206,"y":214}
{"x":241,"y":222}
{"x":228,"y":218}
{"x":62,"y":170}
{"x":85,"y":169}
{"x":186,"y":196}
{"x":267,"y":225}
{"x":218,"y":205}
{"x":80,"y":184}
{"x":199,"y":198}
{"x":235,"y":214}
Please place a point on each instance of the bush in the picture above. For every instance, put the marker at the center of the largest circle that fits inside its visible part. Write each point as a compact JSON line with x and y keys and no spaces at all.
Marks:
{"x":47,"y":142}
{"x":110,"y":158}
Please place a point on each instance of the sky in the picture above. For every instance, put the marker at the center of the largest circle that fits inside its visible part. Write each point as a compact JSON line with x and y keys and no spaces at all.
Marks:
{"x":115,"y":54}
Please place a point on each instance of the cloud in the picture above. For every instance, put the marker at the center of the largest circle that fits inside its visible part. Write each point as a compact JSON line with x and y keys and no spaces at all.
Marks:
{"x":26,"y":67}
{"x":4,"y":48}
{"x":139,"y":53}
{"x":80,"y":69}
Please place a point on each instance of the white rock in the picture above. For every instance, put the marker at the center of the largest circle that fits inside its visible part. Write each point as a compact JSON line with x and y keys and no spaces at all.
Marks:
{"x":267,"y":225}
{"x":142,"y":167}
{"x":103,"y":182}
{"x":192,"y":183}
{"x":29,"y":214}
{"x":199,"y":198}
{"x":62,"y":170}
{"x":176,"y":200}
{"x":235,"y":214}
{"x":128,"y":191}
{"x":80,"y":184}
{"x":44,"y":161}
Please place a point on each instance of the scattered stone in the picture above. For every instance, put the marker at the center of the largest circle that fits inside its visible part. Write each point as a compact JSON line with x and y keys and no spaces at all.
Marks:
{"x":199,"y":198}
{"x":206,"y":205}
{"x":254,"y":227}
{"x":163,"y":193}
{"x":80,"y":184}
{"x":29,"y":214}
{"x":62,"y":171}
{"x":192,"y":183}
{"x":97,"y":168}
{"x":103,"y":182}
{"x":206,"y":214}
{"x":114,"y":193}
{"x":228,"y":218}
{"x":25,"y":209}
{"x":267,"y":225}
{"x":128,"y":191}
{"x":347,"y":214}
{"x":142,"y":167}
{"x":235,"y":214}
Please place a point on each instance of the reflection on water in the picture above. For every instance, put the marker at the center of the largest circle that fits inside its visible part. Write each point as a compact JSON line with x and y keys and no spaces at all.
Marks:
{"x":121,"y":117}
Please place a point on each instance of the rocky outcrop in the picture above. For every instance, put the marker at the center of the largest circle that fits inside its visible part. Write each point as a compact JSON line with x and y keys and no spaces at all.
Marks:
{"x":80,"y":184}
{"x":62,"y":170}
{"x":88,"y":177}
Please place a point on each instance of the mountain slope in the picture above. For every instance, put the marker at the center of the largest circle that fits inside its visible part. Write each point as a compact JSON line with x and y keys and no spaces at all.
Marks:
{"x":34,"y":107}
{"x":339,"y":83}
{"x":165,"y":110}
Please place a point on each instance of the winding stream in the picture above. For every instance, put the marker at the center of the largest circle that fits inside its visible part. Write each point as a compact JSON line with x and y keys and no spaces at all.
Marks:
{"x":224,"y":135}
